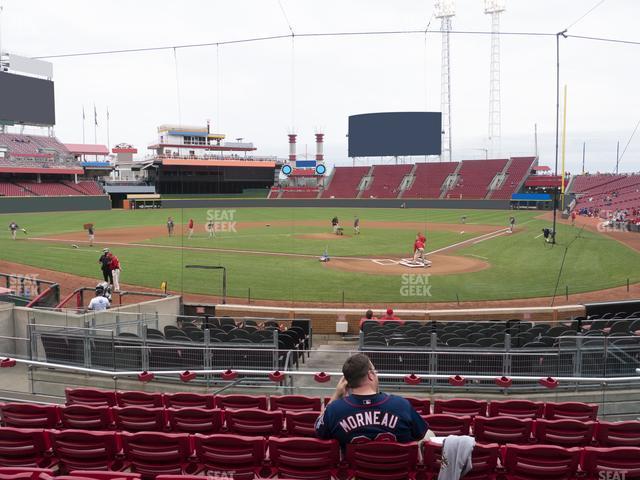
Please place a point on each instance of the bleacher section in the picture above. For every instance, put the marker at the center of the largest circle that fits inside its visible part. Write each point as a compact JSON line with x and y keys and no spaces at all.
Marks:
{"x":517,"y":172}
{"x":300,"y":192}
{"x":428,"y":179}
{"x":386,"y":181}
{"x":344,"y":182}
{"x":49,"y":189}
{"x":608,"y":192}
{"x":474,"y":178}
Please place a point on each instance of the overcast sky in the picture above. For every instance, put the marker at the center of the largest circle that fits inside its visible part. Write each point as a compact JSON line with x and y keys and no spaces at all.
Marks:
{"x":335,"y":77}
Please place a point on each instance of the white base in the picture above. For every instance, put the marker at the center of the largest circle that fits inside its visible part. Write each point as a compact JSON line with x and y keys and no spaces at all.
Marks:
{"x":408,"y":262}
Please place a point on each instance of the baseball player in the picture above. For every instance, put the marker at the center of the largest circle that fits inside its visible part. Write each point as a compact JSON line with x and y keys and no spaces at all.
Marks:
{"x":91,"y":234}
{"x":99,"y":302}
{"x":190,"y":228}
{"x":114,"y":266}
{"x":13,"y":227}
{"x":170,"y":225}
{"x":418,"y":248}
{"x":211,"y":229}
{"x":105,"y":262}
{"x":512,"y":224}
{"x":358,"y":411}
{"x":335,"y":223}
{"x":573,"y":218}
{"x":356,"y":225}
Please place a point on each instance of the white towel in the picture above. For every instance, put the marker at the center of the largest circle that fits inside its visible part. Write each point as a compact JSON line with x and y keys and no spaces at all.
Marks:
{"x":456,"y":457}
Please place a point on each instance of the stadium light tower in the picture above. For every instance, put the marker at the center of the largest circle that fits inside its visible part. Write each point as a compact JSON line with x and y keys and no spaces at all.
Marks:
{"x":445,"y":10}
{"x":494,"y":8}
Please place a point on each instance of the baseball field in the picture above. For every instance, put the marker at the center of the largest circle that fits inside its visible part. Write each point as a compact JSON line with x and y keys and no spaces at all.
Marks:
{"x":271,"y":254}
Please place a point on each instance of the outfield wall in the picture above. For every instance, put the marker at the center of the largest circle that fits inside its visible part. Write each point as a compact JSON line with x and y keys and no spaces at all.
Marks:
{"x":336,"y":202}
{"x":54,"y":204}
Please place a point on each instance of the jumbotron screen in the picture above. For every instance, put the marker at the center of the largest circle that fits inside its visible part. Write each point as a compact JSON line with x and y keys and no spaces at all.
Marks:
{"x":395,"y":134}
{"x":26,"y":100}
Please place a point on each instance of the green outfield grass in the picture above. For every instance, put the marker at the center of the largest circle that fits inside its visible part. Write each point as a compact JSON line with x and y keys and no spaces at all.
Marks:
{"x":521,"y":265}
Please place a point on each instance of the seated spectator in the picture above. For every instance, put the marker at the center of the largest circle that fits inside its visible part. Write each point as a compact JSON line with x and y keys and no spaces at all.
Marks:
{"x":368,"y":316}
{"x":357,"y":410}
{"x":390,"y":317}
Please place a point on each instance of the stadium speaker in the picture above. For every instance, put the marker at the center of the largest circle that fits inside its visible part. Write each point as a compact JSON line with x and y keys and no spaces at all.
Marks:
{"x":286,"y":170}
{"x":321,"y":169}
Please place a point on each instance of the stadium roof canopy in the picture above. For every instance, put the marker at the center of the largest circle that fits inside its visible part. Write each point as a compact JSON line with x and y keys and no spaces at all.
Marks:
{"x":87,"y":149}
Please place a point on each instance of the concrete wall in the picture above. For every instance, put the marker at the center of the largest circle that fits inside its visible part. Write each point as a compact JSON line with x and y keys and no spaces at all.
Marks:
{"x":335,"y":202}
{"x":53,"y":204}
{"x":323,"y":320}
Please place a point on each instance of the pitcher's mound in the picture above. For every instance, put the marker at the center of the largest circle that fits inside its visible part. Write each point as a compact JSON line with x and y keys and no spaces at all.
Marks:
{"x":440,"y":265}
{"x":322,"y":236}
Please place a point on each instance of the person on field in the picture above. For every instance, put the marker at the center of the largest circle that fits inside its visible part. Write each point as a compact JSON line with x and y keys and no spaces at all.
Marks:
{"x":359,"y":411}
{"x":91,"y":235}
{"x":418,"y":248}
{"x":573,"y":218}
{"x":105,"y":262}
{"x":170,"y":226}
{"x":512,"y":224}
{"x":211,"y":229}
{"x":13,"y":228}
{"x":190,"y":228}
{"x":335,"y":224}
{"x":99,"y":302}
{"x":356,"y":225}
{"x":114,"y":266}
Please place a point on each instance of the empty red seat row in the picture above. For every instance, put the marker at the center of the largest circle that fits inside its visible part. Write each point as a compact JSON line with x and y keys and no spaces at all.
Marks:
{"x":159,"y":419}
{"x":94,"y":396}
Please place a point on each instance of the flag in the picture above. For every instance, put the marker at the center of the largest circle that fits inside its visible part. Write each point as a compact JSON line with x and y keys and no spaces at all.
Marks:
{"x":83,"y":113}
{"x":95,"y":115}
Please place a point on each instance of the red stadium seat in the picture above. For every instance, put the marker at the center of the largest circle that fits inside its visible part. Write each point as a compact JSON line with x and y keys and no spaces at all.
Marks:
{"x":24,"y":447}
{"x":86,"y":450}
{"x":221,"y":453}
{"x":252,"y":421}
{"x":95,"y":475}
{"x":295,"y":403}
{"x":241,"y":401}
{"x":483,"y":460}
{"x":139,"y":419}
{"x":90,"y":396}
{"x":195,"y":420}
{"x":572,"y":410}
{"x":502,"y":429}
{"x":86,"y":417}
{"x":516,"y":408}
{"x":185,"y":399}
{"x":139,"y":399}
{"x":618,"y":434}
{"x":154,"y":453}
{"x":25,"y":415}
{"x":611,"y":463}
{"x":461,"y":406}
{"x":544,"y":462}
{"x":421,"y":405}
{"x":25,"y":473}
{"x":566,"y":433}
{"x":379,"y":460}
{"x":307,"y":458}
{"x":301,"y":424}
{"x":443,"y":425}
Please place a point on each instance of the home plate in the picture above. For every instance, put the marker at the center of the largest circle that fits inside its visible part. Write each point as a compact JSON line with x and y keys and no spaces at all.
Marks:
{"x":384,"y":261}
{"x":408,"y":262}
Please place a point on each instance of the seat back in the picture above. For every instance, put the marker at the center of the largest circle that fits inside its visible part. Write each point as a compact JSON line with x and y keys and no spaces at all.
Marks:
{"x":223,"y":453}
{"x":241,"y":401}
{"x":444,"y":425}
{"x":572,"y":410}
{"x":461,"y":406}
{"x":187,"y":399}
{"x":253,"y":421}
{"x":90,"y":396}
{"x":610,"y":463}
{"x":379,"y":460}
{"x":105,"y":475}
{"x":618,"y":434}
{"x":295,"y":403}
{"x":484,"y":459}
{"x":301,"y":424}
{"x":25,"y":473}
{"x":23,"y":447}
{"x":85,"y":450}
{"x":308,"y":458}
{"x":544,"y":462}
{"x":153,"y":453}
{"x":502,"y":429}
{"x":25,"y":415}
{"x":566,"y":433}
{"x":139,"y":399}
{"x":516,"y":408}
{"x":195,"y":420}
{"x":421,"y":405}
{"x":86,"y":417}
{"x":139,"y":419}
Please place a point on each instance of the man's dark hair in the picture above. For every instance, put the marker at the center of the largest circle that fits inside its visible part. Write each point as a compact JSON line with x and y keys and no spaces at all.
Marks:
{"x":355,"y":369}
{"x":368,"y":314}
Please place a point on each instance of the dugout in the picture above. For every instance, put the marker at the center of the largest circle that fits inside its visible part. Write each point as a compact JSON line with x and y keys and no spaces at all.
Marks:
{"x":142,"y":200}
{"x":531,"y":201}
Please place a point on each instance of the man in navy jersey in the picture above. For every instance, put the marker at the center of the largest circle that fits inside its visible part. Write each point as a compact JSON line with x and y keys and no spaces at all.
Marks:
{"x":364,"y":413}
